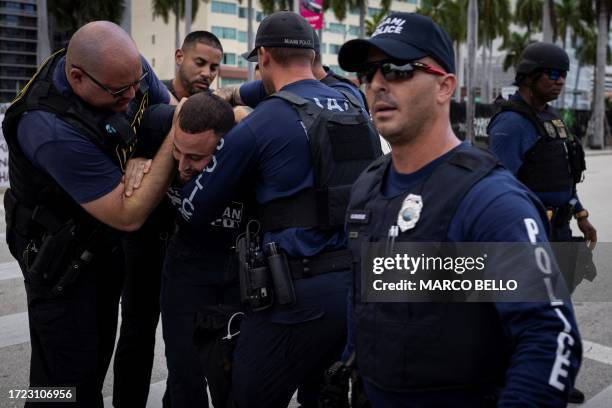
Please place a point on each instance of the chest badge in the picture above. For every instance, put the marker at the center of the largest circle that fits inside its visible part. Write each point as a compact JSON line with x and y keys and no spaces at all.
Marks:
{"x":410,"y":212}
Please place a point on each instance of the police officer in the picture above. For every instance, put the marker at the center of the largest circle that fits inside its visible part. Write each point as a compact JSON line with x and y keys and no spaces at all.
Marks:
{"x":288,"y":344}
{"x":434,"y":188}
{"x":532,"y":141}
{"x":70,"y":132}
{"x":197,"y":64}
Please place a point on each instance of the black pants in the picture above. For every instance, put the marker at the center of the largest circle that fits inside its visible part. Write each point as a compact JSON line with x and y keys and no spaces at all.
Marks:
{"x":180,"y":300}
{"x":72,"y":336}
{"x":144,"y":256}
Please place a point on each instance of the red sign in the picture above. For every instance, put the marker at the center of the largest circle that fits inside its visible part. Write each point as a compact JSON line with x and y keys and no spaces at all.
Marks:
{"x":312,"y":11}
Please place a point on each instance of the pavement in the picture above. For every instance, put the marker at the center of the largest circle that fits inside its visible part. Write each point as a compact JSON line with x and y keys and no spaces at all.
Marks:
{"x":594,"y":318}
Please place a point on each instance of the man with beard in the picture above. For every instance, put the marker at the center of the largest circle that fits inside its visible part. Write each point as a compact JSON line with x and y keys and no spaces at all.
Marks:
{"x":199,"y":268}
{"x":197,"y":62}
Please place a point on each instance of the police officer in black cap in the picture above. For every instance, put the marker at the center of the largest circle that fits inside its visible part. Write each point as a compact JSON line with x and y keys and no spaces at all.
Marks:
{"x":532,"y":141}
{"x":434,"y":188}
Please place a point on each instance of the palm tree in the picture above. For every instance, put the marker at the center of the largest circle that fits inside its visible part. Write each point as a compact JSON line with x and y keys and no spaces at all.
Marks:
{"x":604,"y":8}
{"x":494,"y":19}
{"x":70,"y":15}
{"x":163,"y":8}
{"x":452,"y":16}
{"x":372,"y":23}
{"x":528,"y":14}
{"x":514,"y":46}
{"x":568,"y":23}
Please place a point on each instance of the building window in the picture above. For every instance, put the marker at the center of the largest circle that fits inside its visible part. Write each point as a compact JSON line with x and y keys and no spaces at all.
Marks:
{"x":323,"y":48}
{"x":229,"y":58}
{"x":223,"y":7}
{"x":242,"y":63}
{"x":336,"y":28}
{"x":353,"y":30}
{"x":354,"y":10}
{"x":373,"y":11}
{"x":242,"y":12}
{"x":334,"y":48}
{"x":224,"y":32}
{"x":259,"y":16}
{"x":242,"y":36}
{"x":153,"y":39}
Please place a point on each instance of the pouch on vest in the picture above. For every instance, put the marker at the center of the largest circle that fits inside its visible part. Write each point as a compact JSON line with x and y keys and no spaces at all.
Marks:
{"x":342,"y":144}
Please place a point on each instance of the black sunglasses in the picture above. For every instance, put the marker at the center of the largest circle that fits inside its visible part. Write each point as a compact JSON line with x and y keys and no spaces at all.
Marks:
{"x":555,"y":74}
{"x":392,"y":71}
{"x":115,"y":93}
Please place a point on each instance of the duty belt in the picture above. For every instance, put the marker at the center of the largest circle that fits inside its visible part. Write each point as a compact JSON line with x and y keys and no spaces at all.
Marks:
{"x":323,"y":263}
{"x":559,"y":216}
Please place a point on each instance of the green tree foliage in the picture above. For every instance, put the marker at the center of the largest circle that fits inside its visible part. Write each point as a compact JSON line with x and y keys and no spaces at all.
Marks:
{"x":528,"y":14}
{"x":514,"y":45}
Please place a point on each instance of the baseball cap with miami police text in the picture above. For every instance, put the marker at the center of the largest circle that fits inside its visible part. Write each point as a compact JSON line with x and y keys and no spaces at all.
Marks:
{"x":282,"y":29}
{"x":405,"y":37}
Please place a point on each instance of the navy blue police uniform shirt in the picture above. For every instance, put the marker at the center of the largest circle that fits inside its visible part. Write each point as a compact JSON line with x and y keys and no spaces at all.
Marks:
{"x":494,"y":210}
{"x":511,"y":135}
{"x":270,"y":144}
{"x":70,"y":158}
{"x":254,"y":92}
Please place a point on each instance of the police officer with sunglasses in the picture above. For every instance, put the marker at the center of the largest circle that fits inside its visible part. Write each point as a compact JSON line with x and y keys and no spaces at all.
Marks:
{"x":532,"y":141}
{"x":70,"y":133}
{"x":434,"y":188}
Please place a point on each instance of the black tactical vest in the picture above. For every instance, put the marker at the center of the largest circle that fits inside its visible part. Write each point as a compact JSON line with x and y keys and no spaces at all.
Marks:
{"x":342,"y":145}
{"x":113,"y":133}
{"x":556,"y":161}
{"x":423,"y":346}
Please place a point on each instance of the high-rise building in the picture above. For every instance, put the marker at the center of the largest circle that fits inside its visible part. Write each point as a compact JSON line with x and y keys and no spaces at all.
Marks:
{"x":227,"y":19}
{"x":20,"y":45}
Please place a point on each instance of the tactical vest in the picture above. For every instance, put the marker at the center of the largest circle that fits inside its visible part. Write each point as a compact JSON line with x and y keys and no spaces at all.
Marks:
{"x":331,"y":79}
{"x":342,"y":145}
{"x":414,"y":346}
{"x":556,"y":161}
{"x":33,"y":191}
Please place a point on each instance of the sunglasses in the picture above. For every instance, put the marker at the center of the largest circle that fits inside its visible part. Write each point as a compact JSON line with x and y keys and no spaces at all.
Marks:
{"x":554,"y":74}
{"x":117,"y":92}
{"x":393,"y":72}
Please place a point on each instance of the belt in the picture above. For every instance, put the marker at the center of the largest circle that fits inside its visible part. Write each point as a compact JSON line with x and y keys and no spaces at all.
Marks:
{"x":559,"y":216}
{"x":326,"y":262}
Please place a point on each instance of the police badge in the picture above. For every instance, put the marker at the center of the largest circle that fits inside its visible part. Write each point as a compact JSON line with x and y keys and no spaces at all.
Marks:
{"x":410,"y":212}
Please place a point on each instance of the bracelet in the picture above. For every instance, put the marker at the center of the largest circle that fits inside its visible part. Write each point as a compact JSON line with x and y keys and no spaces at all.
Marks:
{"x":581,"y":214}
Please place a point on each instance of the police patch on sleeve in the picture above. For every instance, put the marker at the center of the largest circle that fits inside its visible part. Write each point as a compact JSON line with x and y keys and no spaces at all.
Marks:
{"x":410,"y":212}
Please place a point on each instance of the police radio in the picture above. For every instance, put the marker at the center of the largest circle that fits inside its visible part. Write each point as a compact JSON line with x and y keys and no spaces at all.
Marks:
{"x":254,"y":276}
{"x":264,"y":276}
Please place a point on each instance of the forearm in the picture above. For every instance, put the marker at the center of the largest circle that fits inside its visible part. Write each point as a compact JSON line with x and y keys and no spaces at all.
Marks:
{"x":138,"y":206}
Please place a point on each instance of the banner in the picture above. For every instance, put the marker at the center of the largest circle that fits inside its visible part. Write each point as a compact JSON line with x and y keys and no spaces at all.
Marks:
{"x":312,"y":11}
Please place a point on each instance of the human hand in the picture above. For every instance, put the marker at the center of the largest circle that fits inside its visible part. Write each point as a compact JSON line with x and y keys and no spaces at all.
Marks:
{"x":135,"y":170}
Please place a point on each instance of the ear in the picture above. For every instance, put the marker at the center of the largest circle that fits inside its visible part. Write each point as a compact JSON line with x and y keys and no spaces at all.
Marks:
{"x":263,"y":57}
{"x":179,"y":56}
{"x":76,"y":75}
{"x":447,"y":86}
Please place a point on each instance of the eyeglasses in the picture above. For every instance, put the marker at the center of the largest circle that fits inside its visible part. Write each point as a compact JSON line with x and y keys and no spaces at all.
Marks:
{"x":555,"y":74}
{"x":392,"y":72}
{"x":115,"y":93}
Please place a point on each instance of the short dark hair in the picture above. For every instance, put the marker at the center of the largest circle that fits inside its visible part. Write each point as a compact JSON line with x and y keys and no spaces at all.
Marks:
{"x":204,"y":37}
{"x":205,"y":111}
{"x":285,"y":55}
